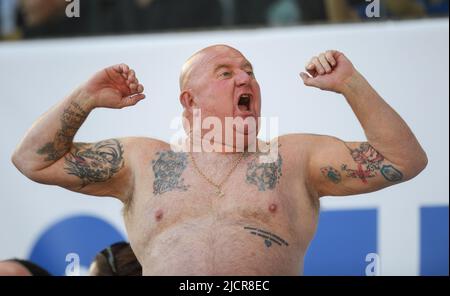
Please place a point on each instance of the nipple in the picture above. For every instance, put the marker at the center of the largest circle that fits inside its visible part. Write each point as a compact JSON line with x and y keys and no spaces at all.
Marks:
{"x":159,"y":215}
{"x":273,"y":208}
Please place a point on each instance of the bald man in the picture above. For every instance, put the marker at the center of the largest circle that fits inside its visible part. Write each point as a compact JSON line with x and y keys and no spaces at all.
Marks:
{"x":225,"y":212}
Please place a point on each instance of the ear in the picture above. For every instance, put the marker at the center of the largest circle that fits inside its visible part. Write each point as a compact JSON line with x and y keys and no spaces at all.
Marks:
{"x":187,"y":100}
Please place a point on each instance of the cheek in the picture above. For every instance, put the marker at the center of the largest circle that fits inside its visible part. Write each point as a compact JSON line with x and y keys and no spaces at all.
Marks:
{"x":218,"y":100}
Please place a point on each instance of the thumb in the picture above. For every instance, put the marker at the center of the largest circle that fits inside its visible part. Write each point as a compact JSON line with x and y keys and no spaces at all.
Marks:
{"x":132,"y":100}
{"x":307,"y":80}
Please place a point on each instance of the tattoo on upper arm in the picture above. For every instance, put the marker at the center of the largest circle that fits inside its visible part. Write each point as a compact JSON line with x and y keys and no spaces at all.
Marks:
{"x":94,"y":163}
{"x":71,"y":120}
{"x":369,"y":162}
{"x":264,"y":175}
{"x":269,"y":238}
{"x":168,"y":168}
{"x":391,"y":174}
{"x":331,"y":174}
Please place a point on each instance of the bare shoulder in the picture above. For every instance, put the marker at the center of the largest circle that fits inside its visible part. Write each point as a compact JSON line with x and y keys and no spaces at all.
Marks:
{"x":299,"y":148}
{"x":141,"y":148}
{"x":303,"y":143}
{"x":144,"y":143}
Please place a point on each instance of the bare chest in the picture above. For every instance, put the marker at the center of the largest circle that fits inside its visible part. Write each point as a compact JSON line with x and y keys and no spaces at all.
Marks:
{"x":257,"y":202}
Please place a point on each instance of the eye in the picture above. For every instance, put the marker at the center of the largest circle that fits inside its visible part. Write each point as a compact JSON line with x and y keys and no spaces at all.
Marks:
{"x":250,"y":73}
{"x":225,"y":74}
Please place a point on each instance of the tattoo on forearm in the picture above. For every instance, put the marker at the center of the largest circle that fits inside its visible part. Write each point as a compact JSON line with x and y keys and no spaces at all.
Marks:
{"x":369,"y":163}
{"x":168,"y":168}
{"x":71,"y":120}
{"x":264,"y":175}
{"x":94,"y":163}
{"x":269,"y":238}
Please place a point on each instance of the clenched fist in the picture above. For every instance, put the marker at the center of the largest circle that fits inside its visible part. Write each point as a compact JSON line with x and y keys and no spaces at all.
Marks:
{"x":330,"y":71}
{"x":114,"y":87}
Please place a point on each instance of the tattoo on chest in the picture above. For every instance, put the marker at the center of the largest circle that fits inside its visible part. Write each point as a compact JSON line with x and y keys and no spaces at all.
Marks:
{"x":71,"y":120}
{"x":268,"y":237}
{"x":94,"y":163}
{"x":264,"y":175}
{"x":369,"y":164}
{"x":168,"y":168}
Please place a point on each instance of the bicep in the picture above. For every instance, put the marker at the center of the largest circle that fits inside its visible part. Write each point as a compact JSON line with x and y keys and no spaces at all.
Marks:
{"x":338,"y":168}
{"x":100,"y":169}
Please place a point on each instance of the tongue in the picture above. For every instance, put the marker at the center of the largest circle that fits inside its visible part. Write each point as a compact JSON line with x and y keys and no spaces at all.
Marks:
{"x":243,"y":107}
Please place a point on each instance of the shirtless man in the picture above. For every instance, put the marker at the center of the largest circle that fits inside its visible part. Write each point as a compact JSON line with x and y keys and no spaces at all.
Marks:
{"x":218,"y":213}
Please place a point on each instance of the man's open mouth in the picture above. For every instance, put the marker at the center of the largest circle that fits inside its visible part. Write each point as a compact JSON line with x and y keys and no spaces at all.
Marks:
{"x":244,"y":102}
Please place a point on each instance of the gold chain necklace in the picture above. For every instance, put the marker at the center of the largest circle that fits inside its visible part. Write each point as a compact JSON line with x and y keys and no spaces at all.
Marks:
{"x":219,"y":191}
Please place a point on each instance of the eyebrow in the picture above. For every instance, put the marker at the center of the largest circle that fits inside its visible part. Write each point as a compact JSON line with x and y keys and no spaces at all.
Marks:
{"x":243,"y":65}
{"x":218,"y":67}
{"x":246,"y":64}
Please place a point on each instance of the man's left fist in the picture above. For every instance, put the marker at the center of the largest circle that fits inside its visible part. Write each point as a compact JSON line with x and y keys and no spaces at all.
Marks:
{"x":330,"y":71}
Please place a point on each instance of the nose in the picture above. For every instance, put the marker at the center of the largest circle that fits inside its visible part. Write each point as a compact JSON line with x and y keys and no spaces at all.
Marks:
{"x":242,"y":78}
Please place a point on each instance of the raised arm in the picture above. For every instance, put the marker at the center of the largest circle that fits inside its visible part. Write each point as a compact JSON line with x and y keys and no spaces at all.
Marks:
{"x":391,"y":153}
{"x":48,"y":155}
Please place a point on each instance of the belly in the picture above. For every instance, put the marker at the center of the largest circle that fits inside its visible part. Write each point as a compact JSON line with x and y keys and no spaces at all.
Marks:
{"x":211,"y":246}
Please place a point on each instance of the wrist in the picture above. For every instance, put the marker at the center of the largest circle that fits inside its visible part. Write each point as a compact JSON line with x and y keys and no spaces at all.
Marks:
{"x":83,"y":99}
{"x":354,"y":84}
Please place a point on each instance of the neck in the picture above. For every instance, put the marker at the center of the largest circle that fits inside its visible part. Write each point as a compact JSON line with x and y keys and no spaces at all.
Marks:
{"x":198,"y":143}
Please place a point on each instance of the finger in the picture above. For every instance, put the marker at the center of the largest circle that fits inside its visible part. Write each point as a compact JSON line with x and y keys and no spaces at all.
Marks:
{"x":121,"y":68}
{"x":311,"y":69}
{"x":124,"y":68}
{"x":330,"y":57}
{"x":318,"y":66}
{"x":133,"y":87}
{"x":307,"y":80}
{"x":137,"y":89}
{"x":313,"y":73}
{"x":131,"y":75}
{"x":324,"y":62}
{"x":132,"y":100}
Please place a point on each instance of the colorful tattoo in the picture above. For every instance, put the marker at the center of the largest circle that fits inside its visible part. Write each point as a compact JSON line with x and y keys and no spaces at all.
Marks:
{"x":331,"y":174}
{"x":369,"y":161}
{"x":391,"y":174}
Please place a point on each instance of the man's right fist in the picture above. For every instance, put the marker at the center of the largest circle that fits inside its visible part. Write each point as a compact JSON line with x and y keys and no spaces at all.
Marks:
{"x":114,"y":87}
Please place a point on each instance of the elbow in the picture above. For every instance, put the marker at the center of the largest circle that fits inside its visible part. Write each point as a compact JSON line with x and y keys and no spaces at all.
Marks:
{"x":421,"y":161}
{"x":23,"y":166}
{"x":15,"y":159}
{"x":415,"y":165}
{"x":19,"y":163}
